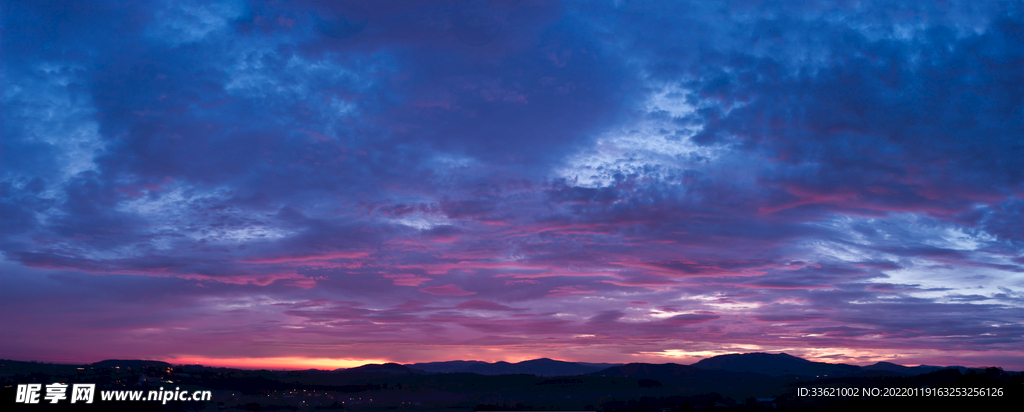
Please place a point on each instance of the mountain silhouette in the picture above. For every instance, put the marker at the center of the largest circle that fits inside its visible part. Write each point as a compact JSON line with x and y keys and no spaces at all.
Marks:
{"x":689,"y":379}
{"x":649,"y":370}
{"x":732,"y":366}
{"x":445,"y":367}
{"x":776,"y":365}
{"x":672,"y":372}
{"x":736,"y":367}
{"x":539,"y":367}
{"x":130,"y":363}
{"x":900,"y":369}
{"x":385,"y":368}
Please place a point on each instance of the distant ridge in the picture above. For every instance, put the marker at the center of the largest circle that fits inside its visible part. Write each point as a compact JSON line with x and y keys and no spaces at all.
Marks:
{"x":744,"y":364}
{"x":539,"y":367}
{"x":686,"y":376}
{"x":902,"y":370}
{"x":648,"y":370}
{"x":445,"y":367}
{"x":777,"y":365}
{"x":734,"y":366}
{"x":130,"y":363}
{"x":385,"y":368}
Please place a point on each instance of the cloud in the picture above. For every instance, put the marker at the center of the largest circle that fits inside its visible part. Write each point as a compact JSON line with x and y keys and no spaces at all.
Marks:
{"x":623,"y":171}
{"x":484,"y":305}
{"x":446,"y":290}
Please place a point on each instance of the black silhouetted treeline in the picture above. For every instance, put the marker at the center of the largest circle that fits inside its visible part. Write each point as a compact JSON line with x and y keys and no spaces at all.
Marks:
{"x":731,"y":382}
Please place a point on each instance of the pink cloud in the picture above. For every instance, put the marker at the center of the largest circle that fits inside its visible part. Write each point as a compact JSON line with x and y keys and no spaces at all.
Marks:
{"x":484,"y":305}
{"x":407,"y":279}
{"x":563,"y":291}
{"x":513,"y":282}
{"x":328,"y":256}
{"x":447,"y":290}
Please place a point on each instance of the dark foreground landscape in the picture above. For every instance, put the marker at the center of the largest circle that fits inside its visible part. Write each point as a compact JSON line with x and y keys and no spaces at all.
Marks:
{"x":754,"y":381}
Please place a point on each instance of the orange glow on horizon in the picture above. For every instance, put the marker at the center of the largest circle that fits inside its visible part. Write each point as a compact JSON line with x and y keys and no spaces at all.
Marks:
{"x":294,"y":363}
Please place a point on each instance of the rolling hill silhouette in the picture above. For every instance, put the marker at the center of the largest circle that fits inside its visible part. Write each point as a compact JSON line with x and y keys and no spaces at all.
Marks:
{"x":382,"y":369}
{"x":745,"y":364}
{"x":130,"y":363}
{"x":689,"y":379}
{"x":777,"y":365}
{"x":539,"y":367}
{"x":445,"y":367}
{"x":649,"y":370}
{"x":900,"y":369}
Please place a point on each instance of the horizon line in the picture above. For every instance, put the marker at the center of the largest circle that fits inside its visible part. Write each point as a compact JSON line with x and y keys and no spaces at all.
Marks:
{"x":300,"y":363}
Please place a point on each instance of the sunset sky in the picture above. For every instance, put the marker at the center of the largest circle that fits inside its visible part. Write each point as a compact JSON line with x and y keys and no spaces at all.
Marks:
{"x":322,"y":184}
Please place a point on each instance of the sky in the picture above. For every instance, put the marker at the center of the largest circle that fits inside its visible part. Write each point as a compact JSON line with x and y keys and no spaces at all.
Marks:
{"x":323,"y":184}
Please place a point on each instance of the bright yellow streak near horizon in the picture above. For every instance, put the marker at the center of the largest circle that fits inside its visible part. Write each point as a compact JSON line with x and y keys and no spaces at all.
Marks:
{"x":274,"y":363}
